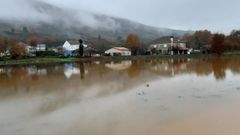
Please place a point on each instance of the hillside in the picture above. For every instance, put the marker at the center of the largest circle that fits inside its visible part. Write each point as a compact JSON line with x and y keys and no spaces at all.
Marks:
{"x":60,"y":24}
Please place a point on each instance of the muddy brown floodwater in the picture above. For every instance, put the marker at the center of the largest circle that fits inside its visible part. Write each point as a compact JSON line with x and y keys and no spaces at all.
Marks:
{"x":153,"y":97}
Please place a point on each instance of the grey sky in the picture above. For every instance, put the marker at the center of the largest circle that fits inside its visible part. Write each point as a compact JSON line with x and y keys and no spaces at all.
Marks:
{"x":216,"y":15}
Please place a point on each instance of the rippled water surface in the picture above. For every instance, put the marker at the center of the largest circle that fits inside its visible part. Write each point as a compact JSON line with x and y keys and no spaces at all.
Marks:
{"x":146,"y":97}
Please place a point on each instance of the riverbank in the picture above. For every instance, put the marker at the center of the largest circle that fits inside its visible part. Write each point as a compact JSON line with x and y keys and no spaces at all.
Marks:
{"x":51,"y":60}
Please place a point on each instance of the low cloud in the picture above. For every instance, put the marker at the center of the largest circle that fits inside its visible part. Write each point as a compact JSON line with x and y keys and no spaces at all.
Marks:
{"x":216,"y":15}
{"x":20,"y":10}
{"x":41,"y":11}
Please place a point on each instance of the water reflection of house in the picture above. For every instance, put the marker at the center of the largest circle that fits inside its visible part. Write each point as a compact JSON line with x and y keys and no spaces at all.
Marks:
{"x":70,"y":70}
{"x":36,"y":71}
{"x":1,"y":70}
{"x":162,"y":67}
{"x":119,"y":51}
{"x":169,"y":67}
{"x":123,"y":65}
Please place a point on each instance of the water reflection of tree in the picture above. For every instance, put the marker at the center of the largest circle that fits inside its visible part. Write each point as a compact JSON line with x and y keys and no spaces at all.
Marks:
{"x":219,"y":67}
{"x":199,"y":66}
{"x":19,"y":77}
{"x":23,"y":77}
{"x":135,"y":70}
{"x":82,"y":70}
{"x":163,"y":67}
{"x":202,"y":67}
{"x":234,"y":66}
{"x":12,"y":76}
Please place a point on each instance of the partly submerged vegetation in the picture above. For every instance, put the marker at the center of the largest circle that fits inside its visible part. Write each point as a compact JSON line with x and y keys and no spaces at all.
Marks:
{"x":52,"y":60}
{"x":36,"y":61}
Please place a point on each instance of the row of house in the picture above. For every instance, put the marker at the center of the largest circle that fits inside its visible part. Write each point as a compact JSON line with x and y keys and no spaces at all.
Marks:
{"x":72,"y":50}
{"x":30,"y":50}
{"x":167,"y":46}
{"x":69,"y":50}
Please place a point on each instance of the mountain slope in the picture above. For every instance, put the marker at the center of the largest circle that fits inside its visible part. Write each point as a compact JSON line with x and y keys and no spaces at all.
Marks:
{"x":50,"y":20}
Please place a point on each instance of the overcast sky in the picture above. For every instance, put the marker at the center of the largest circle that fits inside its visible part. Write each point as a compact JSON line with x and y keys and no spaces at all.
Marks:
{"x":216,"y":15}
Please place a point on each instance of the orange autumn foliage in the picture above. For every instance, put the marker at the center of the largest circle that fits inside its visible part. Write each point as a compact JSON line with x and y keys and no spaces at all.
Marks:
{"x":17,"y":50}
{"x":133,"y":42}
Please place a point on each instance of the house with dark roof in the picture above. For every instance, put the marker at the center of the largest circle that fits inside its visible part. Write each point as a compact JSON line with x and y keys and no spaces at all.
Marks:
{"x":164,"y":46}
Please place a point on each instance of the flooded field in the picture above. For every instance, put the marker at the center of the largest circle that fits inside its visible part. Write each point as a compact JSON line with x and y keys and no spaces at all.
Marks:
{"x":151,"y":97}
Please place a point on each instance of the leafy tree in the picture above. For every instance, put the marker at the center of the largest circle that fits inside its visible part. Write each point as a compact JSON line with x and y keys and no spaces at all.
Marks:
{"x":198,"y":39}
{"x":25,"y":29}
{"x":3,"y":45}
{"x":234,"y":39}
{"x":13,"y":30}
{"x":133,"y":43}
{"x":219,"y":44}
{"x":33,"y":41}
{"x":17,"y":50}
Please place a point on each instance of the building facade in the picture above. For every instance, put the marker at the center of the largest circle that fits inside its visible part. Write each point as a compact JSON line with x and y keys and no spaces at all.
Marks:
{"x":119,"y":51}
{"x":166,"y":48}
{"x":71,"y":49}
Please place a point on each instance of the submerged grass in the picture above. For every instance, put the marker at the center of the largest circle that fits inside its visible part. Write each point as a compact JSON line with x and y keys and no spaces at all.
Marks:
{"x":49,"y":60}
{"x":232,"y":53}
{"x":36,"y":61}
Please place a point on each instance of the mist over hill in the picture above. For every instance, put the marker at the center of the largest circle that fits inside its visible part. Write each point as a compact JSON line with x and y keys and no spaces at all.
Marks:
{"x":44,"y":19}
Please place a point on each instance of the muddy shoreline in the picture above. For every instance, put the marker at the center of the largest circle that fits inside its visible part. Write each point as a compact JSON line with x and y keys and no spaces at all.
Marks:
{"x":58,"y":60}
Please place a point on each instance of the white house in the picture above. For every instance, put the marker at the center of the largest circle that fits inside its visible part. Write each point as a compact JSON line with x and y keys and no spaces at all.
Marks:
{"x":70,"y":50}
{"x":41,"y":47}
{"x":119,"y":51}
{"x":31,"y":51}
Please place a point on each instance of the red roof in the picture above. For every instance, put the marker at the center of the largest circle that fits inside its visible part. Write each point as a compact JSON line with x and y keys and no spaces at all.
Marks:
{"x":121,"y":49}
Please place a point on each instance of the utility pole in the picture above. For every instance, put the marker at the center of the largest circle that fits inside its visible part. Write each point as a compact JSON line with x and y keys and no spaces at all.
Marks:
{"x":172,"y":40}
{"x":81,"y":47}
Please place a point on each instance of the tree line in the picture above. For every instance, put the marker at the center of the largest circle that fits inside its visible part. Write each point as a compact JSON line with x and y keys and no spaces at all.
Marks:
{"x":218,"y":43}
{"x":15,"y":48}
